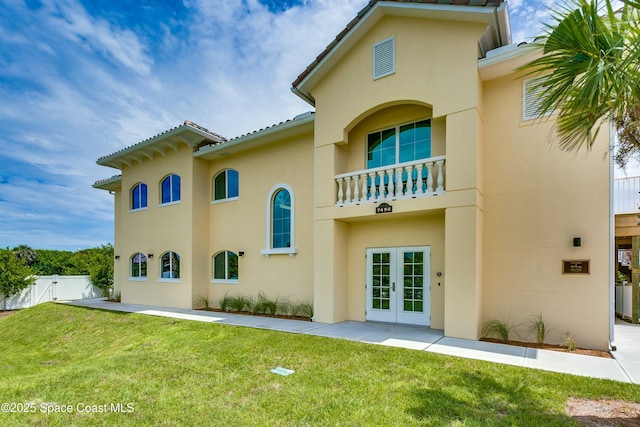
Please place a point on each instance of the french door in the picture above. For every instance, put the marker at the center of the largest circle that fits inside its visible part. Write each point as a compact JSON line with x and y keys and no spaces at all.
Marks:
{"x":397,"y":283}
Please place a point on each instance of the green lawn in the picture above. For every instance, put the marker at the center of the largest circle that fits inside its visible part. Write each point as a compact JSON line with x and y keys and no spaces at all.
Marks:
{"x":175,"y":372}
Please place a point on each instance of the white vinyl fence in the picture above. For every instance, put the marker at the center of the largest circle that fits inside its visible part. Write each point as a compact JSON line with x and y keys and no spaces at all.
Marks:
{"x":53,"y":288}
{"x":623,"y":300}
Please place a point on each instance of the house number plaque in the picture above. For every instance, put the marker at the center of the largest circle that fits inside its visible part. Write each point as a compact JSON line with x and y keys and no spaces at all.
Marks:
{"x":384,"y":208}
{"x":575,"y":266}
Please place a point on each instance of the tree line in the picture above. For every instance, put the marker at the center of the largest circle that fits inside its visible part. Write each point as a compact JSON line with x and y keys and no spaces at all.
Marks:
{"x":19,"y":265}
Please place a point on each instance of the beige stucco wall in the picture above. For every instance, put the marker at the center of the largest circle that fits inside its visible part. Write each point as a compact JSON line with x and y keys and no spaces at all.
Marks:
{"x":536,"y":200}
{"x":157,"y":229}
{"x":241,"y":225}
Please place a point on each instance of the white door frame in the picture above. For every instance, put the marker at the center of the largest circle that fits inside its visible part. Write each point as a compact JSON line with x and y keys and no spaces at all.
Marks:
{"x":387,"y":272}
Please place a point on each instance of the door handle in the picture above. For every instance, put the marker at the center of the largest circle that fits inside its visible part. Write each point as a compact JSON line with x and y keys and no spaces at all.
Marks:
{"x":393,"y":286}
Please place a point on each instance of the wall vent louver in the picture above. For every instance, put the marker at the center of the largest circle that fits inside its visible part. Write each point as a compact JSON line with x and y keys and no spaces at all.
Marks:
{"x":384,"y":58}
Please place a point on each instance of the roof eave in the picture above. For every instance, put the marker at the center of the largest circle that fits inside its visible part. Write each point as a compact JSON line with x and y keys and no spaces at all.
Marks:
{"x":110,"y":184}
{"x":301,"y":124}
{"x":188,"y":133}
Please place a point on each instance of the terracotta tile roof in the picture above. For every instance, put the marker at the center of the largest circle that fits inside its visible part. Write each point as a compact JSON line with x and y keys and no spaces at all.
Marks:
{"x":354,"y":21}
{"x":298,"y":117}
{"x":113,"y":178}
{"x":146,"y":141}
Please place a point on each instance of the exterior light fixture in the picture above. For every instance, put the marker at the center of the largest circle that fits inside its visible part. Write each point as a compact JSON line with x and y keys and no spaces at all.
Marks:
{"x":241,"y":253}
{"x":149,"y":255}
{"x":577,"y":242}
{"x":117,"y":256}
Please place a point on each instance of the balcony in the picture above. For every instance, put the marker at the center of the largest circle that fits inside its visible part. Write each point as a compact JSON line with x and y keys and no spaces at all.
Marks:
{"x":420,"y":178}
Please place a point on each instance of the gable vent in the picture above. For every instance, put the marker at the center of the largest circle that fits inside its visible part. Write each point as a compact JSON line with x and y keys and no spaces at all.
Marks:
{"x":384,"y":58}
{"x":531,"y":99}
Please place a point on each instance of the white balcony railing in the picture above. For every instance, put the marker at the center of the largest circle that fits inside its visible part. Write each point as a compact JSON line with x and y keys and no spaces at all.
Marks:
{"x":626,"y":195}
{"x":420,"y":178}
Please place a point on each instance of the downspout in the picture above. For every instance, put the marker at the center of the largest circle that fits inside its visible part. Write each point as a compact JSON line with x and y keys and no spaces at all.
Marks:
{"x":612,"y":241}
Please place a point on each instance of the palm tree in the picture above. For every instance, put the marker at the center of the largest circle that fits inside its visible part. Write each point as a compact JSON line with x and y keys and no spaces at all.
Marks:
{"x":25,"y":254}
{"x":590,"y":73}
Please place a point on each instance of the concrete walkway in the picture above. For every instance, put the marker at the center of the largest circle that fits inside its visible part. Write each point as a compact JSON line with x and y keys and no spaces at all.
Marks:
{"x":625,"y":367}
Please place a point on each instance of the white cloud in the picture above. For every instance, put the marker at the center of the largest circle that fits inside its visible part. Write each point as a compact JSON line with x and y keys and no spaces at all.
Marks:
{"x":70,"y":19}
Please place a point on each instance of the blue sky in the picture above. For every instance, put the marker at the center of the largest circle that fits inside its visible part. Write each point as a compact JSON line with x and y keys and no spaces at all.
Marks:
{"x":84,"y":78}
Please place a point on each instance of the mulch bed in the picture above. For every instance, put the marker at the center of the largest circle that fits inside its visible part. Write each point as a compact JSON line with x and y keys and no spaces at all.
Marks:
{"x":583,"y":351}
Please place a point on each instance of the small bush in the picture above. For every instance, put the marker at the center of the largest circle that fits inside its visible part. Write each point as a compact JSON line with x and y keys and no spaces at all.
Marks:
{"x":538,"y":329}
{"x":301,"y":309}
{"x":499,"y":329}
{"x":224,"y":302}
{"x":201,"y":302}
{"x":569,"y":343}
{"x":239,"y":303}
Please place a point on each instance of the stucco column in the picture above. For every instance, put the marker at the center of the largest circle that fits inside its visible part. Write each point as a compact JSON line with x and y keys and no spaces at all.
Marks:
{"x":464,"y":227}
{"x":463,"y":267}
{"x":330,"y":271}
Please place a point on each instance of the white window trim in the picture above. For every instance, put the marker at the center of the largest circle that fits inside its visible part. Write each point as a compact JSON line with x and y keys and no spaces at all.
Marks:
{"x":169,"y":203}
{"x":226,"y":267}
{"x":138,"y":209}
{"x":396,"y":129}
{"x":291,"y":251}
{"x":225,"y":281}
{"x":138,"y":279}
{"x":168,"y":280}
{"x":226,"y":190}
{"x":230,"y":199}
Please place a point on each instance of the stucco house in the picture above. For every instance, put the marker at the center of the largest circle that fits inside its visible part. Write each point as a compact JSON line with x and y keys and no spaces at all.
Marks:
{"x":422,"y":190}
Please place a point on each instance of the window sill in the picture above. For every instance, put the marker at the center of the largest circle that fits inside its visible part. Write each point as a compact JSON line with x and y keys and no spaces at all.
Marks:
{"x":279,"y":251}
{"x":137,"y":279}
{"x":161,"y":205}
{"x":169,"y":280}
{"x":137,"y":209}
{"x":225,"y":281}
{"x":230,"y":199}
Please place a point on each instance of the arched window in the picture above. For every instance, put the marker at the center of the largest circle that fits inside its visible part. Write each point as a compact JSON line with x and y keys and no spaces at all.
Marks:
{"x":139,"y":266}
{"x":280,"y":221}
{"x":225,"y":185}
{"x":225,"y":267}
{"x":170,"y":265}
{"x":170,"y":189}
{"x":139,"y":196}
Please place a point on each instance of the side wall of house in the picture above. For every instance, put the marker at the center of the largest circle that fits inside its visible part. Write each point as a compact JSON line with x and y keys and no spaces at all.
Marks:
{"x":537,"y":199}
{"x":156,"y":230}
{"x":241,"y":225}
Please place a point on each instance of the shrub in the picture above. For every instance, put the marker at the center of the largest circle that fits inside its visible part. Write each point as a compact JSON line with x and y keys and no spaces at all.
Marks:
{"x":201,"y":302}
{"x":272,"y":307}
{"x":538,"y":329}
{"x":569,"y":343}
{"x":499,"y":329}
{"x":224,"y":302}
{"x":239,"y":303}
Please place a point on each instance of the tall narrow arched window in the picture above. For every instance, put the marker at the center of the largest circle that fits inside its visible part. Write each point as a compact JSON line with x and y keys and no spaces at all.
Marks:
{"x":225,"y":267}
{"x":280,"y":221}
{"x":225,"y":185}
{"x":170,"y":189}
{"x":170,"y":265}
{"x":139,"y":266}
{"x":139,"y":196}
